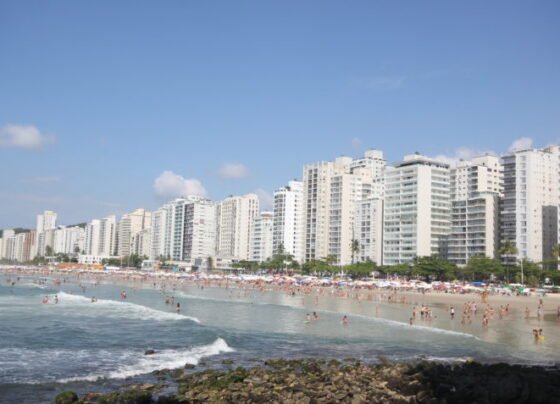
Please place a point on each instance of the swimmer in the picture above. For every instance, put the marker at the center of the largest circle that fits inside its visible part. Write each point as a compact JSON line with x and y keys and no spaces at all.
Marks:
{"x":178,"y":307}
{"x":45,"y":300}
{"x":315,"y":316}
{"x":345,"y":320}
{"x":56,"y":299}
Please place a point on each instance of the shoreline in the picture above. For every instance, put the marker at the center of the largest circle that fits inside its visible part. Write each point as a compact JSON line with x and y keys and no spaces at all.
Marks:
{"x":347,"y":381}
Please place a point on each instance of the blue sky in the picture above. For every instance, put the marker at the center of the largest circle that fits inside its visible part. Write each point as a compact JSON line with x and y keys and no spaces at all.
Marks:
{"x":100,"y":99}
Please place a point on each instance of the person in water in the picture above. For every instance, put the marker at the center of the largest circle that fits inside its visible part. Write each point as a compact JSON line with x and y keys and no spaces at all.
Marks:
{"x":45,"y":300}
{"x":178,"y":307}
{"x":345,"y":320}
{"x":315,"y":316}
{"x":56,"y":299}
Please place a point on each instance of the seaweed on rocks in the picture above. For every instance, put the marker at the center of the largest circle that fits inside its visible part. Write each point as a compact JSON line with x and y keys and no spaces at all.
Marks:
{"x":321,"y":381}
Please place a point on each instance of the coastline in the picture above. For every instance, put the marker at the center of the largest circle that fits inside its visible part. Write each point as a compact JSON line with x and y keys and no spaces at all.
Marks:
{"x":347,"y":381}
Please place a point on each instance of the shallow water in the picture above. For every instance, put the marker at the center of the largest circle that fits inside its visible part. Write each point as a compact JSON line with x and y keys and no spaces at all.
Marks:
{"x":85,"y":346}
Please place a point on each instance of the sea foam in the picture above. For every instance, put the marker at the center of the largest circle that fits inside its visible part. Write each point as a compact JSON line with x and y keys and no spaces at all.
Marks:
{"x":121,"y":309}
{"x":165,"y":359}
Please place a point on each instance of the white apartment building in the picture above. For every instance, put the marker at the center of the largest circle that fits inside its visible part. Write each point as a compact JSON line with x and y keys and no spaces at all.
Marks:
{"x":235,"y":218}
{"x":261,"y":238}
{"x":130,"y":225}
{"x":46,"y":221}
{"x":417,"y":212}
{"x":68,"y":239}
{"x":368,"y":229}
{"x":288,"y":220}
{"x":199,"y":234}
{"x":8,"y":244}
{"x":101,"y":237}
{"x":475,"y":228}
{"x":480,"y":174}
{"x":158,"y":232}
{"x":529,"y":213}
{"x":476,"y":187}
{"x":331,"y":192}
{"x":141,"y":243}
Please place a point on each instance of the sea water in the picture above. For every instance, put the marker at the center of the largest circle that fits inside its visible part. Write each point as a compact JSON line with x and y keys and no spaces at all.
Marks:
{"x":100,"y":346}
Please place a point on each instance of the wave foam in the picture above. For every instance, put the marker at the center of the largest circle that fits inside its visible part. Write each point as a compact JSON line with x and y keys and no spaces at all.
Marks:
{"x":166,"y":359}
{"x":122,"y":309}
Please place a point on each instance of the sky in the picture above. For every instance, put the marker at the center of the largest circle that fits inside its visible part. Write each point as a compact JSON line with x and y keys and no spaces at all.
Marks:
{"x":109,"y":106}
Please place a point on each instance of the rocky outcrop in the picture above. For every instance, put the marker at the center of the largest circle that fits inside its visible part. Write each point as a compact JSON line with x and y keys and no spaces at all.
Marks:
{"x":350,"y":381}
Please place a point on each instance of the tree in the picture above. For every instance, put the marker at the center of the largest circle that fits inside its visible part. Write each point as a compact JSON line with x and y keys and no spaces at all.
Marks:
{"x":433,"y":268}
{"x":507,"y":250}
{"x":481,"y":268}
{"x":556,"y":254}
{"x":49,"y":251}
{"x":355,"y":247}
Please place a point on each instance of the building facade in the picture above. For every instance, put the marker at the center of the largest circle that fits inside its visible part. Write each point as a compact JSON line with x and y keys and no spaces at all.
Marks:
{"x":262,"y":237}
{"x":288,"y":220}
{"x":417,"y":212}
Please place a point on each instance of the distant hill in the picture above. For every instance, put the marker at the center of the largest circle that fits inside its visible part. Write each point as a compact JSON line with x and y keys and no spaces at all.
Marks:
{"x":82,"y":225}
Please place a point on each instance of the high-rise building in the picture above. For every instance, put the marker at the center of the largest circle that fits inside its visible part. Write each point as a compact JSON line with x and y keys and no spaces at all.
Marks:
{"x":23,"y":246}
{"x":158,"y":232}
{"x":368,"y":229}
{"x":8,"y":245}
{"x":101,"y":237}
{"x":199,"y":238}
{"x":417,"y":212}
{"x":235,"y":219}
{"x":476,"y":187}
{"x":261,"y":237}
{"x":288,"y":220}
{"x":331,"y":192}
{"x":141,"y":242}
{"x":68,"y":240}
{"x":130,"y":225}
{"x":529,"y":213}
{"x":46,"y":221}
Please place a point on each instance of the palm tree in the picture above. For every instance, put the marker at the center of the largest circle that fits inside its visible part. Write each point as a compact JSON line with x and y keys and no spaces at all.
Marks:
{"x":556,"y":252}
{"x":508,"y":249}
{"x":355,"y":247}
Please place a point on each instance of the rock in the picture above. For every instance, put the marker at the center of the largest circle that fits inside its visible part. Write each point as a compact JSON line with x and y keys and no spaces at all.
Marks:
{"x":189,"y":366}
{"x":149,"y":352}
{"x":227,"y":362}
{"x":66,"y":397}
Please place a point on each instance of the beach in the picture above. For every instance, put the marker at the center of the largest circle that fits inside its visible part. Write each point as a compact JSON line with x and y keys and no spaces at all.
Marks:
{"x":246,"y":320}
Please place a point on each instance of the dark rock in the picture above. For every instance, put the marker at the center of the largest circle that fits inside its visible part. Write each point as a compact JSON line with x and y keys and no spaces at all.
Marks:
{"x":66,"y":397}
{"x":189,"y":366}
{"x":149,"y":352}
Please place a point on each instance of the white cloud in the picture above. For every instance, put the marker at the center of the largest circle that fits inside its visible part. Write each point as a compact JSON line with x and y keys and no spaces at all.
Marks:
{"x":521,"y":144}
{"x":265,"y":199}
{"x":171,"y":185}
{"x":23,"y":136}
{"x":384,"y":83}
{"x":233,"y":171}
{"x":461,"y":153}
{"x":356,"y":142}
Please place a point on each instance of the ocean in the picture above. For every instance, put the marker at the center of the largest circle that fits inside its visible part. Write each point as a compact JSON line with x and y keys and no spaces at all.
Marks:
{"x":96,"y":347}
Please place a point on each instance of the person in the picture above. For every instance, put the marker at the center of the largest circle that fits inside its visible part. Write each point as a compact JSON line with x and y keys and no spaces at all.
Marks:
{"x":307,"y":318}
{"x":315,"y":316}
{"x":56,"y":299}
{"x":178,"y":307}
{"x":345,"y":320}
{"x":45,"y":300}
{"x":452,"y":311}
{"x":540,"y":334}
{"x":411,"y":321}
